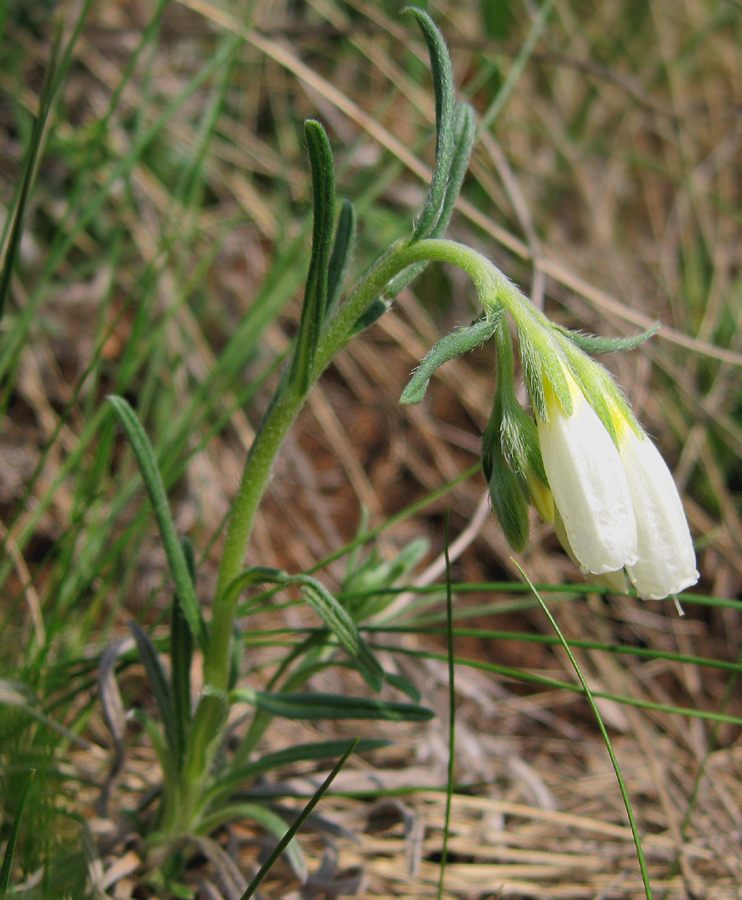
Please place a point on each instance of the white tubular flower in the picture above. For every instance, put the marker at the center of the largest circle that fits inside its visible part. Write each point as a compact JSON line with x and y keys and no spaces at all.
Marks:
{"x":667,"y":560}
{"x":590,"y":488}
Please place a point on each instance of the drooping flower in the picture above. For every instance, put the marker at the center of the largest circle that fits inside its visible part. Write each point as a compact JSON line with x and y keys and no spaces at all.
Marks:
{"x":666,"y":561}
{"x":588,"y":482}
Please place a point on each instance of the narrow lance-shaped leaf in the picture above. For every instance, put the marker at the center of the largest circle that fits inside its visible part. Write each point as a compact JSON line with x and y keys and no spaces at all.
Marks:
{"x":465,"y":133}
{"x":332,"y":613}
{"x":315,"y":293}
{"x":447,"y":348}
{"x":343,"y":627}
{"x":271,"y":821}
{"x":231,"y":780}
{"x":331,"y":706}
{"x":440,"y":64}
{"x":162,"y":691}
{"x":593,"y":343}
{"x":342,"y":251}
{"x":181,"y":656}
{"x":153,"y":482}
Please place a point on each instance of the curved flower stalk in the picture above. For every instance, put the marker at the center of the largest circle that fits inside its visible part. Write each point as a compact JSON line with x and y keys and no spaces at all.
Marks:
{"x":587,"y":466}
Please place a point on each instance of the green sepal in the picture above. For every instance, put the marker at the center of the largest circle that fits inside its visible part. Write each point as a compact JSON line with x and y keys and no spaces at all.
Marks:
{"x":542,"y":360}
{"x":593,"y":343}
{"x":342,"y":251}
{"x":520,"y":444}
{"x":505,"y":474}
{"x":315,"y":293}
{"x":598,"y":386}
{"x":447,"y":348}
{"x":440,"y":64}
{"x":328,"y":608}
{"x":509,"y":500}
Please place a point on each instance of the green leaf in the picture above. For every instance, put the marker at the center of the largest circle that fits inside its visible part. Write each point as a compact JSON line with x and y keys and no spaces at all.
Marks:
{"x":593,"y":343}
{"x":452,"y":345}
{"x":12,"y":838}
{"x":231,"y":780}
{"x":377,"y":309}
{"x":316,"y":291}
{"x":330,"y":611}
{"x":332,"y":706}
{"x":342,"y":250}
{"x":343,"y":627}
{"x":465,"y":133}
{"x":440,"y":64}
{"x":181,"y":657}
{"x":296,"y":825}
{"x":153,"y":482}
{"x":162,"y":691}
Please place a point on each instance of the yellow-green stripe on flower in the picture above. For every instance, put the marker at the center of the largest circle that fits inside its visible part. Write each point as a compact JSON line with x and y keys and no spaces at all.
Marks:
{"x":588,"y":482}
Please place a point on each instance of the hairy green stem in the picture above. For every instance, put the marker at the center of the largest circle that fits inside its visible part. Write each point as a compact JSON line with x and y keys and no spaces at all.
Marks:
{"x":494,"y":290}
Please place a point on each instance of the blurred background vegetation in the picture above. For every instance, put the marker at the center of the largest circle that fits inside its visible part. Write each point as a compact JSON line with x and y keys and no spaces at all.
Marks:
{"x":165,"y":207}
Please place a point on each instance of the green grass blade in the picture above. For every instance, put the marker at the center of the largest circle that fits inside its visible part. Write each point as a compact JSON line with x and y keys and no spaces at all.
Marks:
{"x":33,"y":154}
{"x":15,"y":828}
{"x":268,"y":864}
{"x":153,"y":481}
{"x":450,"y":781}
{"x":606,"y":738}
